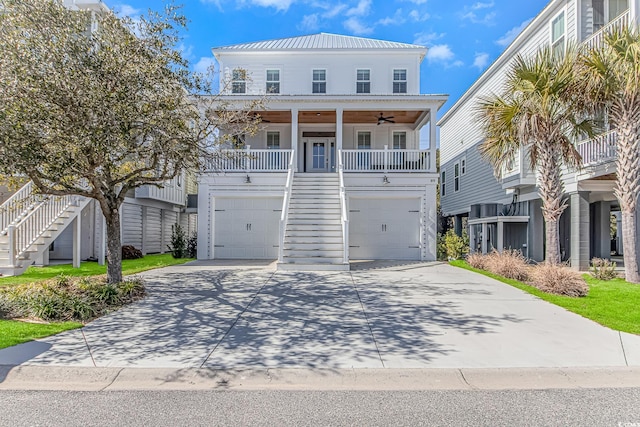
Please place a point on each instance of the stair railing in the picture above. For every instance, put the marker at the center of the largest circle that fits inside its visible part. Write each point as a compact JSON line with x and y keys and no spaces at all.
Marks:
{"x":344,"y":219}
{"x":26,"y":232}
{"x":17,"y":206}
{"x":284,"y":217}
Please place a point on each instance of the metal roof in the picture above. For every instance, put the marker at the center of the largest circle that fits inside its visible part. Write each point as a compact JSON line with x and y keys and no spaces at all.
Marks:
{"x":318,"y":41}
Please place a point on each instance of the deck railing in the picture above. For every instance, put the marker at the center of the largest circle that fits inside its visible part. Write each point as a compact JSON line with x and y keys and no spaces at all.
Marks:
{"x":599,"y":149}
{"x":597,"y":38}
{"x":248,"y":160}
{"x":386,"y":160}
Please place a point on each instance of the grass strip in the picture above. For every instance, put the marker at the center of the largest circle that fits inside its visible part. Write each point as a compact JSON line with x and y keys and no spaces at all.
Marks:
{"x":14,"y":332}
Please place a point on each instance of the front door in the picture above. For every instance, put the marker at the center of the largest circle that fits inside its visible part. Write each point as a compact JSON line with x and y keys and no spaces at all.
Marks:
{"x":319,"y":156}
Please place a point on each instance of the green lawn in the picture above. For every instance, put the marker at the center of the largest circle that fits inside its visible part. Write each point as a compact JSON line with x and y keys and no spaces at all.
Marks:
{"x":129,"y":266}
{"x":13,"y":332}
{"x":613,"y":303}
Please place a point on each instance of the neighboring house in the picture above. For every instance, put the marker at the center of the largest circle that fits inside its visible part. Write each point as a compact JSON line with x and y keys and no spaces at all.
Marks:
{"x":34,"y":229}
{"x":336,"y":172}
{"x":506,"y":213}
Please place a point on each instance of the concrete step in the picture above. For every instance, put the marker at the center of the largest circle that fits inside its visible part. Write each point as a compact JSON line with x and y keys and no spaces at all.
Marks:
{"x":312,"y":260}
{"x":300,"y":266}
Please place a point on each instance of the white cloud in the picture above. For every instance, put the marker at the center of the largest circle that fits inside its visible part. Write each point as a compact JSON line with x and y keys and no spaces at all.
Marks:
{"x":397,"y":19}
{"x":480,"y":13}
{"x":481,"y":60}
{"x":127,"y":10}
{"x":512,"y":34}
{"x":486,"y":19}
{"x":426,"y":39}
{"x":356,"y":27}
{"x":361,"y":9}
{"x":187,"y":51}
{"x":334,"y":10}
{"x":418,"y":1}
{"x":480,"y":5}
{"x":204,"y":64}
{"x":417,"y":16}
{"x":440,"y":53}
{"x":277,"y":4}
{"x":309,"y":23}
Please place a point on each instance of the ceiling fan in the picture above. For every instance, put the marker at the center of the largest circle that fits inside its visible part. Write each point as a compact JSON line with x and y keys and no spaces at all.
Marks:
{"x":383,"y":119}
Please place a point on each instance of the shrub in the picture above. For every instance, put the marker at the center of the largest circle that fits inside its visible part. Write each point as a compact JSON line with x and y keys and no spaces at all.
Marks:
{"x":558,"y":279}
{"x":192,"y":246}
{"x":455,"y":246}
{"x":603,"y":269}
{"x":477,"y":260}
{"x":130,"y":252}
{"x":178,"y":246}
{"x":65,"y":298}
{"x":509,"y":263}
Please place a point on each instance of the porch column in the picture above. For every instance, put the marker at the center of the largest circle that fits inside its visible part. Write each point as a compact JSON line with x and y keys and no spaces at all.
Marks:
{"x":339,"y":124}
{"x":634,"y":9}
{"x":294,"y":137}
{"x":601,"y":230}
{"x":535,"y":240}
{"x":483,"y":242}
{"x":580,"y":231}
{"x":432,"y":139}
{"x":500,"y":237}
{"x":457,"y":224}
{"x":77,"y":234}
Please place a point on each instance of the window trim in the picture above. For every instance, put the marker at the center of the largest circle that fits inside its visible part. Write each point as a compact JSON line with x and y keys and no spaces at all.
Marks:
{"x":366,"y":83}
{"x":563,"y":38}
{"x":272,"y":132}
{"x":314,"y":81}
{"x":363,"y":131}
{"x":393,"y":139}
{"x":399,"y":81}
{"x":268,"y":82}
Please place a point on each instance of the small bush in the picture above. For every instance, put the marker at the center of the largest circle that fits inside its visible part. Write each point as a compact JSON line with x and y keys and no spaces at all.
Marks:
{"x":509,"y":263}
{"x":130,"y":252}
{"x":454,"y":246}
{"x":559,"y":280}
{"x":65,"y":298}
{"x":178,"y":246}
{"x":477,"y":260}
{"x":603,"y":269}
{"x":192,"y":246}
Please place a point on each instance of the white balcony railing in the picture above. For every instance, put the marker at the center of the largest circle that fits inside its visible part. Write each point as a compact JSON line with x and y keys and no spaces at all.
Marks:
{"x":386,"y":160}
{"x":600,"y":149}
{"x":597,"y":38}
{"x":248,"y":160}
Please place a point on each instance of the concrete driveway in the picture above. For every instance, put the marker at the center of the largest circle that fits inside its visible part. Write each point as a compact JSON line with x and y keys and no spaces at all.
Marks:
{"x":394,"y":315}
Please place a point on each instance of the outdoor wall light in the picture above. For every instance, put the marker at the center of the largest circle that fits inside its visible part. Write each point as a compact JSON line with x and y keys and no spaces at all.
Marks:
{"x":247,"y":180}
{"x":385,"y":180}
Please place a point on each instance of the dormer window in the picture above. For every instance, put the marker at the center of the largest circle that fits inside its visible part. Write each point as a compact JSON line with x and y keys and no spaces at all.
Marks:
{"x":273,"y":81}
{"x":363,"y":81}
{"x":400,"y":80}
{"x":319,"y":84}
{"x":239,"y":81}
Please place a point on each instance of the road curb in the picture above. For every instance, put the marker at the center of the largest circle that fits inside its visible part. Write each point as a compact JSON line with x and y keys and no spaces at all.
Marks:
{"x":115,"y":379}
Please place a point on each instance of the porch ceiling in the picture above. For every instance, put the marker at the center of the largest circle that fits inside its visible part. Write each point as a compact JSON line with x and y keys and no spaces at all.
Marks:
{"x":349,"y":117}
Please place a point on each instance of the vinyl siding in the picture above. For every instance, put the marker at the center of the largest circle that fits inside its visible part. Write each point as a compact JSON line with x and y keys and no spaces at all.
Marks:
{"x":131,"y":224}
{"x":153,"y":224}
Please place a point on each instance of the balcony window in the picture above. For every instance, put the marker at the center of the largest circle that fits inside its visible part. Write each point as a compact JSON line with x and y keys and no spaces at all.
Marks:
{"x":364,"y":140}
{"x":239,"y":81}
{"x":363,"y":81}
{"x":399,"y":140}
{"x":319,"y":84}
{"x":273,"y":81}
{"x":558,"y":34}
{"x":400,"y":81}
{"x":273,"y":140}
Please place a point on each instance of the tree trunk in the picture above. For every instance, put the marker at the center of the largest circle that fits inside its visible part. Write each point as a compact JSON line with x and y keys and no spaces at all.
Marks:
{"x":114,"y":246}
{"x":551,"y":191}
{"x":629,"y":255}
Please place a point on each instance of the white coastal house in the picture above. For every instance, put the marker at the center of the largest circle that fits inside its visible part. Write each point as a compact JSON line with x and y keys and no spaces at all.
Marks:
{"x":336,"y":172}
{"x":506,"y":213}
{"x":39,"y":229}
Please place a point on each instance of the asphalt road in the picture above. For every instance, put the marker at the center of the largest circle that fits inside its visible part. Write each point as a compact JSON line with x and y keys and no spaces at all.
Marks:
{"x":578,"y":407}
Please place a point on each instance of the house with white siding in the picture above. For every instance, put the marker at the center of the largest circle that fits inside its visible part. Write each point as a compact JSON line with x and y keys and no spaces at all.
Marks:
{"x":39,"y":229}
{"x":336,"y":172}
{"x":506,"y":212}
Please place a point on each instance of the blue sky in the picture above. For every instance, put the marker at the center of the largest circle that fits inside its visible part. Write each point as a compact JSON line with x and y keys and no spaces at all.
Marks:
{"x":463,"y":36}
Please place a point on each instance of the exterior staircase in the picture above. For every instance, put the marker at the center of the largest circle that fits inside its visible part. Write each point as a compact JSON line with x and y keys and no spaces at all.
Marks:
{"x":29,"y":223}
{"x":313,"y":238}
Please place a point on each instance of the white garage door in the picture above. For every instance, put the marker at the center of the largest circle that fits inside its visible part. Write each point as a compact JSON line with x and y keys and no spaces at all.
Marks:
{"x":246,"y":228}
{"x":384,"y":229}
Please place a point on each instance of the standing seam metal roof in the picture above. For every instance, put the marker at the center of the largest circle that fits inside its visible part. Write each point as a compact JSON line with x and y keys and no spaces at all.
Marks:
{"x":320,"y":41}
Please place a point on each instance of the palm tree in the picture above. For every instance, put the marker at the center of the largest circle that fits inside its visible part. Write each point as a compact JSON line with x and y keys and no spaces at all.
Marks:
{"x":535,"y":113}
{"x":610,"y":77}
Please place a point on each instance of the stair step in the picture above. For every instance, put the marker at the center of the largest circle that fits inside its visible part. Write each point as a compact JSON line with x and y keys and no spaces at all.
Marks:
{"x":313,"y":245}
{"x":314,"y":215}
{"x":313,"y":227}
{"x":314,"y":221}
{"x":313,"y":240}
{"x":329,"y":236}
{"x":313,"y":260}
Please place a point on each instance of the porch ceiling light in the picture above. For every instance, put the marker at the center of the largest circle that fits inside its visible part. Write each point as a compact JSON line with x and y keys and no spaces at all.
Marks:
{"x":247,"y":179}
{"x":385,"y":180}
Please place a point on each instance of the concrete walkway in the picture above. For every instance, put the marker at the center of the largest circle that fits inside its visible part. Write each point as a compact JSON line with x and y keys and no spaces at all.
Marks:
{"x":412,"y":315}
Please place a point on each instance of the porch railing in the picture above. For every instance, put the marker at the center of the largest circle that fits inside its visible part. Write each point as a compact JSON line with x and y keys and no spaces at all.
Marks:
{"x":248,"y":160}
{"x":599,"y":149}
{"x":386,"y":160}
{"x":597,"y":38}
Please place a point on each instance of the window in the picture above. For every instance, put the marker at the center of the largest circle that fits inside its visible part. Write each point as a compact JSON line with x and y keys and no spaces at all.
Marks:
{"x":319,"y":81}
{"x":442,"y":183}
{"x":456,"y":177}
{"x":273,"y":140}
{"x":363,"y":81}
{"x":239,"y":81}
{"x":400,"y":81}
{"x":399,"y":140}
{"x":558,"y":34}
{"x":364,"y":140}
{"x":273,"y":81}
{"x":463,"y":166}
